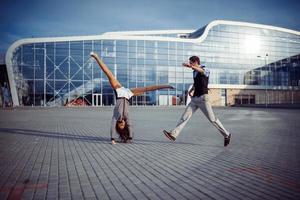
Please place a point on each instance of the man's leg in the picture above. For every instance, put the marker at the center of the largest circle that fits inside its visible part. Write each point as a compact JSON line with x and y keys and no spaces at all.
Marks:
{"x":185,"y":117}
{"x":206,"y":108}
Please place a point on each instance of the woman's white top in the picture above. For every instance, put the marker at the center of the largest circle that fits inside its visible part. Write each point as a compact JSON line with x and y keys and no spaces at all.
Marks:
{"x":124,"y":92}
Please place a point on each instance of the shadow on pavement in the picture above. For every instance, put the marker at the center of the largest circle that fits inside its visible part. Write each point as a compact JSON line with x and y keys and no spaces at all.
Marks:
{"x":56,"y":135}
{"x":87,"y":138}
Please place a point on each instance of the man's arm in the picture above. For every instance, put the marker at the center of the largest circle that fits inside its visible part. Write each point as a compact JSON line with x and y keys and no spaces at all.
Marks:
{"x":196,"y":68}
{"x":191,"y":91}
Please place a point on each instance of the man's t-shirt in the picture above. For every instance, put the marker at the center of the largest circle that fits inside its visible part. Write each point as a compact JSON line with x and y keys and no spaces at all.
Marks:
{"x":201,"y":82}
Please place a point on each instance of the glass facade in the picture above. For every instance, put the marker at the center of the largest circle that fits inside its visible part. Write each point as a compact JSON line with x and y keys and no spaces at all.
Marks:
{"x":55,"y":73}
{"x":251,"y":56}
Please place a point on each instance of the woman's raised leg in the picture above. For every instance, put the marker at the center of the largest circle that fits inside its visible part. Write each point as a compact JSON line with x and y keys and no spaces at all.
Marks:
{"x":112,"y":79}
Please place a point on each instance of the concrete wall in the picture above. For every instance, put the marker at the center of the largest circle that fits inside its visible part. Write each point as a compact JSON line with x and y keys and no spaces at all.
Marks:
{"x":273,"y":96}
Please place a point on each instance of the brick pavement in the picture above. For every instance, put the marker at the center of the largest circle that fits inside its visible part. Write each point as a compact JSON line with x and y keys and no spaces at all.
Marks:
{"x":65,"y":153}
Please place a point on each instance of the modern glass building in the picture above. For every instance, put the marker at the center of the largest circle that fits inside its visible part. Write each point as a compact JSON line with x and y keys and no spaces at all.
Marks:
{"x":249,"y":64}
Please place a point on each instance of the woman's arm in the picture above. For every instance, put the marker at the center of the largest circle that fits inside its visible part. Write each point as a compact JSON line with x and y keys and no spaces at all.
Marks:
{"x":112,"y":80}
{"x":139,"y":91}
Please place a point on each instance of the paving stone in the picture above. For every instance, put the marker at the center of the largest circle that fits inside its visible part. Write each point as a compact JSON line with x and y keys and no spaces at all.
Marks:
{"x":65,"y":153}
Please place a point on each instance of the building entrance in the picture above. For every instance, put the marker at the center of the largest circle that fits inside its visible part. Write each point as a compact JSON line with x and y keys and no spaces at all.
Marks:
{"x":97,"y":100}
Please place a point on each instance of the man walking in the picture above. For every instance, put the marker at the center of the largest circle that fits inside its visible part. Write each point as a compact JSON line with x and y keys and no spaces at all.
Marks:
{"x":199,"y":100}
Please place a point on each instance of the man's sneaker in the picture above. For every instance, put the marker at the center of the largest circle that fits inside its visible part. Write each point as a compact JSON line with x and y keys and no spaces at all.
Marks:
{"x":227,"y":140}
{"x":169,"y":135}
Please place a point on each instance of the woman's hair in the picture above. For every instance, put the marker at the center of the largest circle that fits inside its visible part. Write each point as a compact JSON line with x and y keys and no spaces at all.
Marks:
{"x":195,"y":59}
{"x":123,"y":133}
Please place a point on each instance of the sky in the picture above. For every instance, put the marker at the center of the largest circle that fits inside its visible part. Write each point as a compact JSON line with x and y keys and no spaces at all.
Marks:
{"x":53,"y":18}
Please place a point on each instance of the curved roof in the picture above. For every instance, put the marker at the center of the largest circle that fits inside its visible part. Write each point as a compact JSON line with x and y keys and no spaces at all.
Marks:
{"x":150,"y":35}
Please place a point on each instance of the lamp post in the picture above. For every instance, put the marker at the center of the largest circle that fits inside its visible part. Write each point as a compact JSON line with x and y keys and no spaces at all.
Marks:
{"x":266,"y":89}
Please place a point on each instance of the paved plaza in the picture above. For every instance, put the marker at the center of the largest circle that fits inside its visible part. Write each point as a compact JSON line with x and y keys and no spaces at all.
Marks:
{"x":65,"y":153}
